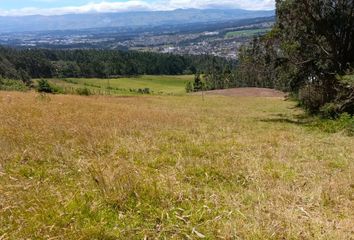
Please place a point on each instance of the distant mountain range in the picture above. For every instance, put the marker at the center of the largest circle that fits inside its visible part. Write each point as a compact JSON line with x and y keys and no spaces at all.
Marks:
{"x":126,"y":19}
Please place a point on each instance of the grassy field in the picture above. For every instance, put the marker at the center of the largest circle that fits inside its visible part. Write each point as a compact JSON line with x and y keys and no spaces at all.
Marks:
{"x":162,"y":85}
{"x":246,"y":33}
{"x":170,"y":167}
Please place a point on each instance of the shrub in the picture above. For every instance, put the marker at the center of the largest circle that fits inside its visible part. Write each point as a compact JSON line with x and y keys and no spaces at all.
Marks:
{"x":189,"y":87}
{"x":12,"y":85}
{"x":198,"y":85}
{"x":344,"y":122}
{"x":345,"y":95}
{"x":331,"y":102}
{"x":329,"y":110}
{"x":83,"y":91}
{"x":312,"y":98}
{"x":45,"y":87}
{"x":350,"y":128}
{"x":144,"y":91}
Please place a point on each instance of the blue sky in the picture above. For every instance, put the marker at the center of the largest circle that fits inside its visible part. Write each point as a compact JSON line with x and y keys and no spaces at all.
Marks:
{"x":56,"y":7}
{"x":17,"y":4}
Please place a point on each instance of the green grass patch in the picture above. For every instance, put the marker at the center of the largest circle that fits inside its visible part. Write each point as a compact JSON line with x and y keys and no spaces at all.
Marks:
{"x":246,"y":33}
{"x":146,"y":84}
{"x":12,"y":85}
{"x":345,"y":123}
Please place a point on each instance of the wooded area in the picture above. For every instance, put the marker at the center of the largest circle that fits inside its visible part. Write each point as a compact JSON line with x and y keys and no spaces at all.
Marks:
{"x":43,"y":63}
{"x":309,"y":52}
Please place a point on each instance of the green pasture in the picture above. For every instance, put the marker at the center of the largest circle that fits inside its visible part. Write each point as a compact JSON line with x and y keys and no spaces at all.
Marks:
{"x":158,"y":85}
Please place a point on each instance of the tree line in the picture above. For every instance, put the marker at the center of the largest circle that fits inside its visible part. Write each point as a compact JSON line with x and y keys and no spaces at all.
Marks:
{"x":44,"y":63}
{"x":309,"y":53}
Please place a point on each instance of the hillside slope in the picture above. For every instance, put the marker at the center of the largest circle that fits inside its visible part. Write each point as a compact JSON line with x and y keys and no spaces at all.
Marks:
{"x":170,"y":167}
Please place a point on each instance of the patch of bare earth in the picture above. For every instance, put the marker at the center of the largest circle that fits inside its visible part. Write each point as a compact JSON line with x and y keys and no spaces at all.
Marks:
{"x":247,"y":92}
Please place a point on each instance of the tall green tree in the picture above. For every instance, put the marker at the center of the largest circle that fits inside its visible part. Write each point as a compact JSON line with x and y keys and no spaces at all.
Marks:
{"x":309,"y":50}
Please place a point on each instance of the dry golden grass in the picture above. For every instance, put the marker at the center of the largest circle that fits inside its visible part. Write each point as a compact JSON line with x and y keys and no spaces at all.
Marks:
{"x":169,"y":168}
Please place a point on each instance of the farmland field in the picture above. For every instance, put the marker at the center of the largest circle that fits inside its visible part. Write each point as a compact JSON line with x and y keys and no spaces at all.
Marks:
{"x":246,"y":33}
{"x":170,"y":167}
{"x":162,"y":85}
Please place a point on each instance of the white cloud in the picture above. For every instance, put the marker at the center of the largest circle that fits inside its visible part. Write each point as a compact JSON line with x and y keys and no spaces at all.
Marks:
{"x":139,"y":5}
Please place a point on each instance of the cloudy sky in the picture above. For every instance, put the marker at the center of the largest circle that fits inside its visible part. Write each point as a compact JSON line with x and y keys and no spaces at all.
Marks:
{"x":55,"y":7}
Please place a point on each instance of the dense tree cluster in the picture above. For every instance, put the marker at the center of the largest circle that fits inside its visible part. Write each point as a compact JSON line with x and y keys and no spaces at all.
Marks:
{"x":215,"y":76}
{"x":308,"y":52}
{"x":43,"y":63}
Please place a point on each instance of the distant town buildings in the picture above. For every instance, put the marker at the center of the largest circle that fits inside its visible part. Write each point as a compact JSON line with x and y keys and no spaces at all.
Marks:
{"x":224,"y":43}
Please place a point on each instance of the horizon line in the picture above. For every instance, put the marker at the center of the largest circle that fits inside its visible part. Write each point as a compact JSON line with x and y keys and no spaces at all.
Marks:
{"x":132,"y":11}
{"x":138,"y":6}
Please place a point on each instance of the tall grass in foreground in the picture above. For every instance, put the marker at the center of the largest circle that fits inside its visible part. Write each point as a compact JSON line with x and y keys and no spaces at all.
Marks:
{"x":76,"y":167}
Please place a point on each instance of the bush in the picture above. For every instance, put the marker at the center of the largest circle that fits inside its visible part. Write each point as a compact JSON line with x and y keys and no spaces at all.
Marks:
{"x":198,"y":85}
{"x":312,"y":98}
{"x":344,"y":122}
{"x":144,"y":91}
{"x":189,"y":87}
{"x":350,"y":128}
{"x":45,"y":87}
{"x":345,"y":95}
{"x":329,"y":110}
{"x":83,"y":91}
{"x":12,"y":85}
{"x":330,"y":102}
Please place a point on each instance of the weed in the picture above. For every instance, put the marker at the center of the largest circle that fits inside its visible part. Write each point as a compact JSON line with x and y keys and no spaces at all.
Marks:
{"x":45,"y":87}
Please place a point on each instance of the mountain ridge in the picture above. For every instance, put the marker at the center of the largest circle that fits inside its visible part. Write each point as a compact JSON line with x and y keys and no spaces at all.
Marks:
{"x":121,"y":19}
